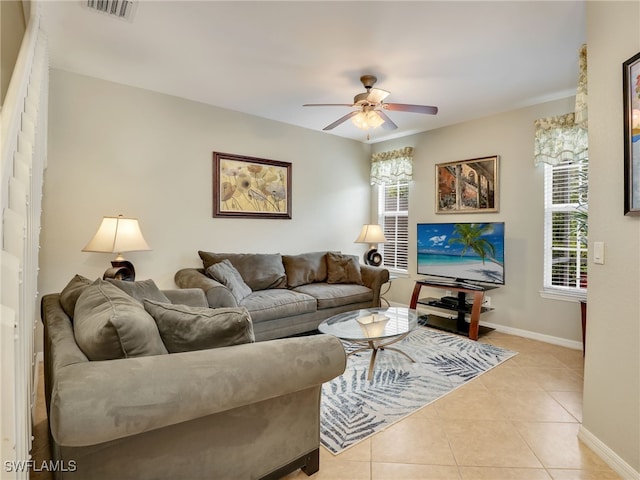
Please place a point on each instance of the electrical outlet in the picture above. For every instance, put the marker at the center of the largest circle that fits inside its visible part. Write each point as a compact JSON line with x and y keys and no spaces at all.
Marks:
{"x":448,"y":293}
{"x":487,"y":301}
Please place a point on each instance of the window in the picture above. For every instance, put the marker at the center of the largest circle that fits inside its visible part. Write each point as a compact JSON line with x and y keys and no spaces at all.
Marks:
{"x":565,"y":210}
{"x":393,"y":208}
{"x":561,"y":145}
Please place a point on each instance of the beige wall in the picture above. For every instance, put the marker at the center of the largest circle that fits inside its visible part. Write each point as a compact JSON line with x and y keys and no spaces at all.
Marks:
{"x":12,"y":28}
{"x":518,"y":304}
{"x":612,"y":368}
{"x":153,"y":161}
{"x":115,"y":149}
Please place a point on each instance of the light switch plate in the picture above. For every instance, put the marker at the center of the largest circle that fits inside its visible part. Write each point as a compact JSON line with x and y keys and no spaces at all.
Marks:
{"x":598,"y":253}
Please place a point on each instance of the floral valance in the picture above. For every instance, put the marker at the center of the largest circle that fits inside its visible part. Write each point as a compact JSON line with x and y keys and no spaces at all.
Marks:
{"x":558,"y":139}
{"x":392,"y":166}
{"x":565,"y":137}
{"x":581,"y":93}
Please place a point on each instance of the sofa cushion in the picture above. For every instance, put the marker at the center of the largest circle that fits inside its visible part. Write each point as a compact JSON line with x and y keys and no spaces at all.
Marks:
{"x":225,"y":273}
{"x":140,"y":290}
{"x":258,"y":270}
{"x":277,"y":303}
{"x":70,"y":293}
{"x":185,"y":328}
{"x":329,"y":295}
{"x":343,"y":269}
{"x":305,"y":268}
{"x":110,"y":324}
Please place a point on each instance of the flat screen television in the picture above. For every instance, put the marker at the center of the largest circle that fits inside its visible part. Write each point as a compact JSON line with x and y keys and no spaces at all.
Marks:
{"x":471,"y":253}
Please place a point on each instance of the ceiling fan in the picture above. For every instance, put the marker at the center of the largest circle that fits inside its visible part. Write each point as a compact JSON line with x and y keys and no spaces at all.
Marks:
{"x":369,"y":112}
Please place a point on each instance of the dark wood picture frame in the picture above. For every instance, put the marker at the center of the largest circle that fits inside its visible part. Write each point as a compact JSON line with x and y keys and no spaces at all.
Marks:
{"x":467,"y":186}
{"x":631,"y":98}
{"x":249,"y":187}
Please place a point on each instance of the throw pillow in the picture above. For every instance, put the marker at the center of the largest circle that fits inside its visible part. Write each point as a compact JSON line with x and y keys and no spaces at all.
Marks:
{"x":140,"y":290}
{"x":109,"y":324}
{"x":343,"y":269}
{"x":258,"y":270}
{"x":305,"y":268}
{"x":70,"y":293}
{"x":225,"y":273}
{"x":185,"y":328}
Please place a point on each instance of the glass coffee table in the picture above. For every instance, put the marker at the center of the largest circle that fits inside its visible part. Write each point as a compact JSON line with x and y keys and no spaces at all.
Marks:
{"x":373,"y":328}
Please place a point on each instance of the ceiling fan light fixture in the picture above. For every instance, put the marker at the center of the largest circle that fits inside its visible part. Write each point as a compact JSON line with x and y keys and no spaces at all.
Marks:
{"x":367,"y":119}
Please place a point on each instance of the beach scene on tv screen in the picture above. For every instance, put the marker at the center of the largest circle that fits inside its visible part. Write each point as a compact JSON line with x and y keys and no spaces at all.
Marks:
{"x":466,"y":251}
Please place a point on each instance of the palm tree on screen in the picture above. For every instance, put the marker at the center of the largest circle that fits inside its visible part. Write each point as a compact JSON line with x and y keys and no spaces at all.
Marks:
{"x":470,"y":236}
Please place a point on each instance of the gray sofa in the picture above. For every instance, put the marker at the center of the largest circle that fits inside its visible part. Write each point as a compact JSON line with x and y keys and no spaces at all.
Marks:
{"x":245,"y":411}
{"x":287,"y":294}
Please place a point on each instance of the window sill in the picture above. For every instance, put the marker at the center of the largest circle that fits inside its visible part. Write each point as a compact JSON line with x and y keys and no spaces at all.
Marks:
{"x":397,"y":273}
{"x":569,"y":296}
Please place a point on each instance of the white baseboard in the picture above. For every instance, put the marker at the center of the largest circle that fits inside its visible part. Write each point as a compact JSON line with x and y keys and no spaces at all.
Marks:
{"x":562,"y":342}
{"x":621,"y":467}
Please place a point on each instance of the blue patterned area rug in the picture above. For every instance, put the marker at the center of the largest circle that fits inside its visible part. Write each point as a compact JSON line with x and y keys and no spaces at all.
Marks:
{"x":353,"y":408}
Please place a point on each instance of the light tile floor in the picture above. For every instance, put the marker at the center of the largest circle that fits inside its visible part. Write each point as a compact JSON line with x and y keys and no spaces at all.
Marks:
{"x":518,"y":421}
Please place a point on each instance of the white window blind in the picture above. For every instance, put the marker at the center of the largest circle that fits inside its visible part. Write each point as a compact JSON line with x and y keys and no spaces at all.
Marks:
{"x":566,"y":190}
{"x":393,"y":211}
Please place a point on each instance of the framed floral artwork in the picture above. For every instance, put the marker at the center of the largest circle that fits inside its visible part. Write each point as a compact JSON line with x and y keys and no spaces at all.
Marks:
{"x":248,"y":187}
{"x":631,"y":97}
{"x":467,"y":186}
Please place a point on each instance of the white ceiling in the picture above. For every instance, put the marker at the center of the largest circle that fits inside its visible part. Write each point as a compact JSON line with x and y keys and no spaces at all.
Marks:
{"x":471,"y":59}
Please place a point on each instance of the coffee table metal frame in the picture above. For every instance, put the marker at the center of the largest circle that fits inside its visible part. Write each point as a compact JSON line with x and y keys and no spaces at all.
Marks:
{"x":391,"y":334}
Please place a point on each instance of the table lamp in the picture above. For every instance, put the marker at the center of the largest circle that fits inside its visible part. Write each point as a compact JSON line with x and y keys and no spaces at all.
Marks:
{"x":118,"y":235}
{"x":371,"y":234}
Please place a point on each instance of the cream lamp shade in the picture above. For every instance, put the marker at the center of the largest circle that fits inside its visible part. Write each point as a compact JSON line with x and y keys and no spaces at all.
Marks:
{"x":118,"y":235}
{"x":371,"y":234}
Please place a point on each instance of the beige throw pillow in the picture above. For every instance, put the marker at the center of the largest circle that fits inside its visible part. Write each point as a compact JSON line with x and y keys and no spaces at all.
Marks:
{"x":70,"y":293}
{"x":140,"y":290}
{"x":109,"y":324}
{"x":185,"y":328}
{"x":225,"y":273}
{"x":343,"y":269}
{"x":258,"y":270}
{"x":305,"y":268}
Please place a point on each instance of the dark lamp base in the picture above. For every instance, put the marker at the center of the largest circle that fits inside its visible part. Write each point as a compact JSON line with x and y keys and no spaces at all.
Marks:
{"x":373,"y":257}
{"x":120,"y":270}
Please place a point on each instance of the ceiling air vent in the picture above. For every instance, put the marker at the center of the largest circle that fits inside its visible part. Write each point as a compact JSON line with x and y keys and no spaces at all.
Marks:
{"x":122,"y":9}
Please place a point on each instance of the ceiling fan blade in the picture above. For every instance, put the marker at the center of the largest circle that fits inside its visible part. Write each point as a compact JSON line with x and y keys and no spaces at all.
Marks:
{"x":388,"y":123}
{"x":328,"y":105}
{"x":376,"y":95}
{"x":403,"y":107}
{"x":341,"y":120}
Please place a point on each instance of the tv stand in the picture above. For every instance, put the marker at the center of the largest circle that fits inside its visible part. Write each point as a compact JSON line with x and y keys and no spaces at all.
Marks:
{"x":459,"y":324}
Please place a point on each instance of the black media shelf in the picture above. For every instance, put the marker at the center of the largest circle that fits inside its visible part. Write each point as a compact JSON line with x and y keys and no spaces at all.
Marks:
{"x":436,"y":302}
{"x":451,"y":325}
{"x":460,"y":309}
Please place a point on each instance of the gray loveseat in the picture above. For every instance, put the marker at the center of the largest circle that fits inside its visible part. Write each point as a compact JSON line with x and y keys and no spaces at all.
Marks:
{"x":286,"y":294}
{"x":245,"y":411}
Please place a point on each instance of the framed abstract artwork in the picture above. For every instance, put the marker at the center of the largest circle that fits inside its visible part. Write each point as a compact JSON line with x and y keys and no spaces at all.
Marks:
{"x":248,"y":187}
{"x":467,"y":186}
{"x":631,"y":98}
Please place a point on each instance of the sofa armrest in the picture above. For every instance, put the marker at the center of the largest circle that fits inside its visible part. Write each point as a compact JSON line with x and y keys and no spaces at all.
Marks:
{"x":374,"y":278}
{"x":193,"y":297}
{"x":217,"y":294}
{"x":96,"y":402}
